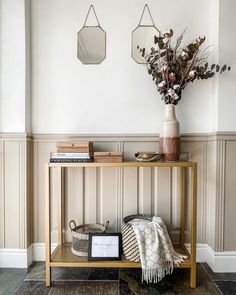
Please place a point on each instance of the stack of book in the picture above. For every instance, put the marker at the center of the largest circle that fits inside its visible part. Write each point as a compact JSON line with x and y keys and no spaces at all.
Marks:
{"x":108,"y":157}
{"x":73,"y":152}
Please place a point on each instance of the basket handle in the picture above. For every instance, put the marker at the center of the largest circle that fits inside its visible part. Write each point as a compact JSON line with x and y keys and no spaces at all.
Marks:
{"x":106,"y":225}
{"x":74,"y":225}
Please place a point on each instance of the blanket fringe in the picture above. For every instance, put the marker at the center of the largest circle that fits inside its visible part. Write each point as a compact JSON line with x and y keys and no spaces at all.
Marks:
{"x":155,"y":234}
{"x":156,"y":275}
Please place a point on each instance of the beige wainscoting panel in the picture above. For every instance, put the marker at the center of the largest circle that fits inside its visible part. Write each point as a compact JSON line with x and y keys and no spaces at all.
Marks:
{"x":162,"y":193}
{"x":74,"y":200}
{"x":145,"y":190}
{"x":110,"y":194}
{"x":211,"y":195}
{"x":2,"y":194}
{"x":29,"y":193}
{"x":220,"y":193}
{"x":130,"y":201}
{"x":22,"y":158}
{"x":14,"y":191}
{"x":91,"y":200}
{"x":215,"y":182}
{"x":230,"y":198}
{"x":97,"y":195}
{"x":195,"y":151}
{"x":108,"y":197}
{"x":42,"y":151}
{"x":12,"y":194}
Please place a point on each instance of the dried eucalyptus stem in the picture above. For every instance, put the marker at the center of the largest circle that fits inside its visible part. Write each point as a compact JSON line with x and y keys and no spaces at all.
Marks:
{"x":173,"y":68}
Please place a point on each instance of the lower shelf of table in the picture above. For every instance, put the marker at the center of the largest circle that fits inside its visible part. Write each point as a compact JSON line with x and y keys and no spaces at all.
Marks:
{"x":63,"y":257}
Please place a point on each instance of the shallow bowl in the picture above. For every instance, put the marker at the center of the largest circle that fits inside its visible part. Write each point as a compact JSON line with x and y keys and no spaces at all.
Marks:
{"x":148,"y":156}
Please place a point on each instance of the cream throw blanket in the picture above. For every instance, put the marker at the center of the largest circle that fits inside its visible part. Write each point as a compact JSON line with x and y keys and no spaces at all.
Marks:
{"x":157,"y":254}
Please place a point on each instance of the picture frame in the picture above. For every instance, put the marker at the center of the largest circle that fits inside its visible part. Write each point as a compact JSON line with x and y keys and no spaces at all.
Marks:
{"x":104,"y":246}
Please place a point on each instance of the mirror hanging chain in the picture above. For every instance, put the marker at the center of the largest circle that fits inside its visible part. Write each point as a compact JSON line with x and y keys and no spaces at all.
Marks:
{"x":91,"y":8}
{"x":146,"y":7}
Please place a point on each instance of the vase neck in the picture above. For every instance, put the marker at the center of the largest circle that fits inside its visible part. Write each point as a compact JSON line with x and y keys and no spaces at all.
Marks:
{"x":170,"y":112}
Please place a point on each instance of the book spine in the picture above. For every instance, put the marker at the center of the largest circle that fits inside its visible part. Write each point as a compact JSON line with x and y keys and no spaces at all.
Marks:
{"x":64,"y":160}
{"x":71,"y":155}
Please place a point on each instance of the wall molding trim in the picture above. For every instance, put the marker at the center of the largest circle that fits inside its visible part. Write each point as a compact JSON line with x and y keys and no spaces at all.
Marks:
{"x":22,"y":258}
{"x":136,"y":136}
{"x":16,"y":136}
{"x":219,"y":135}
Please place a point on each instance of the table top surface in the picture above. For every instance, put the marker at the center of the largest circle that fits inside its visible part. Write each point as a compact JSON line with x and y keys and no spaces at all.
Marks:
{"x":124,"y":164}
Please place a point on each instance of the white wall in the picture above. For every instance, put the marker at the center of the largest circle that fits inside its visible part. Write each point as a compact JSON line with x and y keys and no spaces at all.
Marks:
{"x":13,"y":95}
{"x":213,"y":18}
{"x":117,"y":96}
{"x":227,"y":85}
{"x":69,"y":97}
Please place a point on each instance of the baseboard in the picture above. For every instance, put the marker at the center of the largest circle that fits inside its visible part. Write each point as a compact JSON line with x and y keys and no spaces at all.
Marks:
{"x":218,"y":261}
{"x":22,"y":258}
{"x":222,"y":261}
{"x":13,"y":258}
{"x":202,"y":252}
{"x":39,"y":251}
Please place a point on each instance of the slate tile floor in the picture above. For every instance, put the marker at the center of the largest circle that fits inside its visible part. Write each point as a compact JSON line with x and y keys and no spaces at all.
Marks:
{"x":226,"y":282}
{"x":112,"y":281}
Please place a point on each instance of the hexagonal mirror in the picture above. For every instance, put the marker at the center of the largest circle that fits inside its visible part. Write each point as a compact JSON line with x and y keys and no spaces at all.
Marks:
{"x":91,"y":47}
{"x":142,"y":37}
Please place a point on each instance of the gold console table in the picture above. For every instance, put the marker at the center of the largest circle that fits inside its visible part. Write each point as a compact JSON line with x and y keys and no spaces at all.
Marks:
{"x":62,"y":256}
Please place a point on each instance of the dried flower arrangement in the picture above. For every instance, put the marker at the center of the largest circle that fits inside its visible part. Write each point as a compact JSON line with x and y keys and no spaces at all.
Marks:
{"x":173,"y":67}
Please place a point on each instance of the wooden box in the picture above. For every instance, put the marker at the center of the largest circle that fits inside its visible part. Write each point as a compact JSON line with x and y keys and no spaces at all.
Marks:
{"x":74,"y":147}
{"x":108,"y":157}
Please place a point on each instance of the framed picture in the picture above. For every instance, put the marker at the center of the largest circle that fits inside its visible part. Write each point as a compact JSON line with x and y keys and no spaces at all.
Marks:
{"x":104,"y":246}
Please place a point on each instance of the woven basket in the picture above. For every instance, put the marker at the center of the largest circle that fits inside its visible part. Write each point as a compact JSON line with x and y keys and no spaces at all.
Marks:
{"x":80,"y":236}
{"x":129,"y":241}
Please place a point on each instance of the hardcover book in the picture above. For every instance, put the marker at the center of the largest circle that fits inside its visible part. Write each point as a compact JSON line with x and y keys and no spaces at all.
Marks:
{"x":66,"y":160}
{"x":72,"y":155}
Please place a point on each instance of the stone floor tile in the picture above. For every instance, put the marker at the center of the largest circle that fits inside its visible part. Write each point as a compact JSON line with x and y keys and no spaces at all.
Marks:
{"x":85,"y":288}
{"x":104,"y":274}
{"x":10,"y":279}
{"x":217,"y":276}
{"x":227,"y":287}
{"x":37,"y":273}
{"x":110,"y":281}
{"x":32,"y":288}
{"x":176,"y":283}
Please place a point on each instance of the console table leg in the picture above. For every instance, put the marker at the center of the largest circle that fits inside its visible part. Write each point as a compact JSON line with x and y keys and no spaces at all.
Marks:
{"x":182,"y":205}
{"x":47,"y":225}
{"x":48,"y":276}
{"x":59,"y":188}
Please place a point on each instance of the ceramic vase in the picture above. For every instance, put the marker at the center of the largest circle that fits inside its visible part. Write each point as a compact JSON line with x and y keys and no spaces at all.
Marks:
{"x":170,"y":135}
